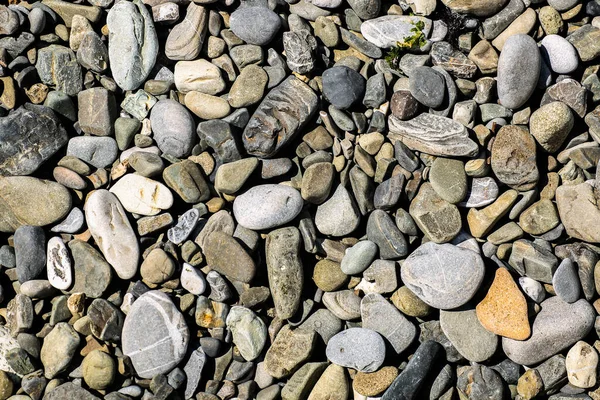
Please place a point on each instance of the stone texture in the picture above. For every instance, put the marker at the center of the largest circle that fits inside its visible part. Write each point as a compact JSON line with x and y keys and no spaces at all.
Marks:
{"x":186,"y":39}
{"x":514,"y":158}
{"x":267,"y":206}
{"x":518,"y":70}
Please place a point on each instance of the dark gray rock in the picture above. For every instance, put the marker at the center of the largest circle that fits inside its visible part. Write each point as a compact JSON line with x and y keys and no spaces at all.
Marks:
{"x":57,"y":66}
{"x":408,"y":384}
{"x":300,"y":47}
{"x":217,"y":135}
{"x":28,"y":137}
{"x":16,"y":46}
{"x":255,"y":25}
{"x":382,"y":231}
{"x":279,"y":117}
{"x":343,"y":87}
{"x":494,"y":25}
{"x":566,"y":282}
{"x":30,"y":252}
{"x":375,"y":91}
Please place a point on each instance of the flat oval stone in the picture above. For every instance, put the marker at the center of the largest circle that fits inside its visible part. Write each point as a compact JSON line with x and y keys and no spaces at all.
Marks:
{"x":255,"y":25}
{"x":97,"y":151}
{"x":225,"y":255}
{"x":132,"y":43}
{"x":557,"y":326}
{"x":467,"y":335}
{"x":443,"y":275}
{"x":514,"y":158}
{"x":267,"y":206}
{"x":91,"y":273}
{"x":173,"y":128}
{"x":559,"y":54}
{"x":187,"y":37}
{"x":112,"y":232}
{"x":141,"y":195}
{"x":339,"y":215}
{"x":248,"y":330}
{"x":358,"y":257}
{"x":58,"y":264}
{"x":47,"y":202}
{"x":358,"y":348}
{"x":155,"y":335}
{"x":519,"y":68}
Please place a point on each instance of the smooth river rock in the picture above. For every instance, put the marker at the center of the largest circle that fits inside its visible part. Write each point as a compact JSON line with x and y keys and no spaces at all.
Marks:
{"x":386,"y":31}
{"x":443,"y":275}
{"x":514,"y":158}
{"x":358,"y":348}
{"x":112,"y":232}
{"x":248,"y":330}
{"x":141,"y":195}
{"x":519,"y":68}
{"x":155,"y":335}
{"x":267,"y":206}
{"x":557,"y":326}
{"x":132,"y":43}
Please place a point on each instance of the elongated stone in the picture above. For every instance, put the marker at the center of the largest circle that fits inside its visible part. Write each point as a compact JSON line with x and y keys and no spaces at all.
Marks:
{"x":132,"y":43}
{"x":386,"y":31}
{"x":225,"y":255}
{"x":29,"y":136}
{"x":286,"y":275}
{"x":58,"y":264}
{"x":112,"y":232}
{"x":279,"y":117}
{"x":186,"y":38}
{"x":433,"y":134}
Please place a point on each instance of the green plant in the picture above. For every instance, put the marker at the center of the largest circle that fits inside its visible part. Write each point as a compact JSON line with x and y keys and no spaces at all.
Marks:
{"x":413,"y":42}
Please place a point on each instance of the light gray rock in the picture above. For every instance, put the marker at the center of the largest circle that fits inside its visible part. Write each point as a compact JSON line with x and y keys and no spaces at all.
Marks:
{"x":559,"y":54}
{"x":338,"y":216}
{"x":358,"y":257}
{"x":248,"y":330}
{"x":469,"y":337}
{"x":132,"y":43}
{"x":112,"y":232}
{"x":267,"y":206}
{"x":155,"y":335}
{"x":58,"y":264}
{"x":519,"y":67}
{"x":173,"y":128}
{"x":433,"y":134}
{"x":255,"y":25}
{"x":557,"y":326}
{"x":358,"y":348}
{"x":386,"y":31}
{"x":483,"y":191}
{"x":381,"y":316}
{"x":443,"y":275}
{"x":97,"y":151}
{"x":193,"y":371}
{"x":185,"y":225}
{"x":562,"y":5}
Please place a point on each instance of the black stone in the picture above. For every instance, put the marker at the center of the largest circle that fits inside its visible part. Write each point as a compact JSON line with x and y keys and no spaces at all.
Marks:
{"x":217,"y":135}
{"x":106,"y":320}
{"x":29,"y":136}
{"x":408,"y":384}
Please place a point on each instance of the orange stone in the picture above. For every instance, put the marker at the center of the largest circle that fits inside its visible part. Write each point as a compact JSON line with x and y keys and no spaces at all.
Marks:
{"x":503,"y":311}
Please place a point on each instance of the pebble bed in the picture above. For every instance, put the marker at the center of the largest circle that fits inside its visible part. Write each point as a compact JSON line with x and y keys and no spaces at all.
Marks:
{"x":299,"y":199}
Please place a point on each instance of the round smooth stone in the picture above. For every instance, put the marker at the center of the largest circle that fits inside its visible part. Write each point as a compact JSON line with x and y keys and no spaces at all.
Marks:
{"x":192,"y":280}
{"x":173,"y":128}
{"x":357,"y":348}
{"x":443,"y":275}
{"x":267,"y":206}
{"x":155,"y":335}
{"x":358,"y":257}
{"x":248,"y":330}
{"x":255,"y":25}
{"x":343,"y":87}
{"x":141,"y":195}
{"x":559,"y":54}
{"x":519,"y":68}
{"x":58,"y":264}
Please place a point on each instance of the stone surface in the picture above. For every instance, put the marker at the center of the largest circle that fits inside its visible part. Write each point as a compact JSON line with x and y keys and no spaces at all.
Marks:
{"x":557,"y":326}
{"x":339,"y":215}
{"x":132,"y":43}
{"x":141,"y":195}
{"x":58,"y":349}
{"x":472,"y":340}
{"x":255,"y":25}
{"x":581,"y":364}
{"x":267,"y":206}
{"x":385,"y":31}
{"x":358,"y":348}
{"x":449,"y":282}
{"x":514,"y":158}
{"x":343,"y":87}
{"x":186,"y":38}
{"x":225,"y":255}
{"x":30,"y":136}
{"x":518,"y":70}
{"x":58,"y":264}
{"x":578,"y":211}
{"x":248,"y":330}
{"x":173,"y":128}
{"x":109,"y":226}
{"x":503,"y":311}
{"x":267,"y":132}
{"x":432,"y":134}
{"x":155,"y":335}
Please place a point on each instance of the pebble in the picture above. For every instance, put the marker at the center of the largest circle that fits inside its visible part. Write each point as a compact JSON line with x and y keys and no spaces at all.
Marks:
{"x":566,"y":282}
{"x":133,"y":43}
{"x":343,"y":87}
{"x":513,"y":158}
{"x":99,"y":370}
{"x":449,"y":180}
{"x":141,"y":195}
{"x":267,"y":206}
{"x":91,"y":272}
{"x":339,"y":215}
{"x":173,"y":128}
{"x":559,"y":54}
{"x":155,"y":336}
{"x":29,"y":244}
{"x":518,"y":70}
{"x":186,"y":39}
{"x":358,"y":257}
{"x":581,"y":363}
{"x":578,"y":211}
{"x":100,"y":152}
{"x":332,"y":384}
{"x":387,"y":30}
{"x":438,"y":284}
{"x":503,"y":311}
{"x":198,"y":75}
{"x":109,"y":226}
{"x":192,"y":280}
{"x":288,"y":351}
{"x":225,"y":255}
{"x":58,"y":264}
{"x":255,"y":25}
{"x":427,"y":86}
{"x":358,"y":348}
{"x":557,"y":326}
{"x":551,"y":124}
{"x":58,"y":349}
{"x":248,"y":330}
{"x":472,"y":340}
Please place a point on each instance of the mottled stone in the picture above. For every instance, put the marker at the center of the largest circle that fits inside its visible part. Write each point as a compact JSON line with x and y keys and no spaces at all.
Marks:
{"x":514,"y":158}
{"x":187,"y":37}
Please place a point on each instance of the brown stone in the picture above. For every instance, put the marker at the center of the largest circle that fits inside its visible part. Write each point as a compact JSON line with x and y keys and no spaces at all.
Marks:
{"x":290,"y":349}
{"x":374,"y":383}
{"x":503,"y":311}
{"x":482,"y":221}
